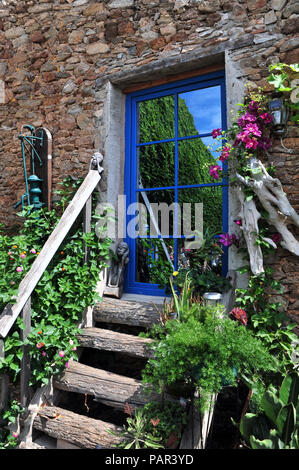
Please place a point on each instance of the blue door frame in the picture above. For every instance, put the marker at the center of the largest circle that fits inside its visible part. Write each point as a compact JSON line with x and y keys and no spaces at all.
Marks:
{"x":131,"y":145}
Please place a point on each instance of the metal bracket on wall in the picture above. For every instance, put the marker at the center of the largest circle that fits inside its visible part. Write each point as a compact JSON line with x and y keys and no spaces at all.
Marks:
{"x":36,"y":149}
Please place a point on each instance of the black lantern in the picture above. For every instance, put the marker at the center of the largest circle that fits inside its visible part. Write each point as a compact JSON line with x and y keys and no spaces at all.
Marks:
{"x":280,"y":114}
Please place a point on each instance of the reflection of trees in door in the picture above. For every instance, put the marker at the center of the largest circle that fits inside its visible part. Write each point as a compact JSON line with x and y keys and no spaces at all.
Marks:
{"x":168,"y":134}
{"x":158,"y":169}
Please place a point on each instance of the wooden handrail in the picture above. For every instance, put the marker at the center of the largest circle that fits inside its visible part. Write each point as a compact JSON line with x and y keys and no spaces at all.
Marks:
{"x":29,"y":282}
{"x":82,"y":199}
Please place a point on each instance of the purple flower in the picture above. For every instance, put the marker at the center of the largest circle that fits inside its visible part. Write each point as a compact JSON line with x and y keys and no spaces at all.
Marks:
{"x":276,"y":237}
{"x":225,"y":239}
{"x":253,"y":106}
{"x":264,"y":143}
{"x":238,"y":221}
{"x":216,"y":132}
{"x":19,"y":269}
{"x":214,"y":169}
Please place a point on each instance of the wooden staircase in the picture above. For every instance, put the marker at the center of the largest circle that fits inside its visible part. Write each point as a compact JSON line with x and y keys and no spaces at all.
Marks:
{"x":90,"y":384}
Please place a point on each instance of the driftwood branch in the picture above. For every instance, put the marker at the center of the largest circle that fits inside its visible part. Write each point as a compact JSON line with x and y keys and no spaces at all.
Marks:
{"x":281,"y":214}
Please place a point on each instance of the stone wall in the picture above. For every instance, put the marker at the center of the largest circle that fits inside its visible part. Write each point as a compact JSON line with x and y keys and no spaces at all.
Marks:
{"x":60,"y":59}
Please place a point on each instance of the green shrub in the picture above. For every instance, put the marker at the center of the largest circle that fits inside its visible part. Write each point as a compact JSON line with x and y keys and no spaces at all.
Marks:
{"x":206,"y":354}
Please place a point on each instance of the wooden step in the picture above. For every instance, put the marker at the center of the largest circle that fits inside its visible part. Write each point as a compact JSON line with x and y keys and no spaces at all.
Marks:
{"x":126,"y":312}
{"x":109,"y":340}
{"x":108,"y":388}
{"x":82,"y":431}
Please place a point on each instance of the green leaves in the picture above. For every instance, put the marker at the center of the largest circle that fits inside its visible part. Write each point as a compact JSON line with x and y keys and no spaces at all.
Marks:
{"x":205,"y":353}
{"x":66,"y":288}
{"x":276,"y":428}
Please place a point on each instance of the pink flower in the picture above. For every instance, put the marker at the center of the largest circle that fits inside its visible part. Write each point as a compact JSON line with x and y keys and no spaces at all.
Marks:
{"x":67,"y":364}
{"x":214,"y":169}
{"x":266,"y":117}
{"x":248,"y":117}
{"x":251,"y":143}
{"x":22,"y":255}
{"x":216,"y":132}
{"x":40,"y":345}
{"x":224,"y":154}
{"x":33,"y":251}
{"x":61,"y":353}
{"x":15,"y":435}
{"x":44,"y":353}
{"x":253,"y":129}
{"x":10,"y":252}
{"x":19,"y":269}
{"x":238,"y":221}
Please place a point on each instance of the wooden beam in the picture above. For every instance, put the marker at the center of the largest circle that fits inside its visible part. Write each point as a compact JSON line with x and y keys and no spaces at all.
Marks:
{"x":4,"y":381}
{"x":174,"y":78}
{"x":126,"y":312}
{"x":79,"y":430}
{"x":108,"y":340}
{"x":9,"y":315}
{"x":25,"y":363}
{"x":106,"y":387}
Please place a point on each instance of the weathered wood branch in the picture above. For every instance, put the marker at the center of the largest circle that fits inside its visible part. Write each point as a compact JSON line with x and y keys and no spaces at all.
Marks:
{"x":270,"y":193}
{"x":250,"y":217}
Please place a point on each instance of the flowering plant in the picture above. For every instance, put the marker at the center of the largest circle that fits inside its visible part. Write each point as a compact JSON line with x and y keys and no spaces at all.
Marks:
{"x":247,"y":137}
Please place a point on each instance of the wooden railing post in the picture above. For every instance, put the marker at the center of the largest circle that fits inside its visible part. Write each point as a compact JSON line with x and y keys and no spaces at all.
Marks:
{"x":87,"y":223}
{"x":25,"y":364}
{"x":4,"y":381}
{"x":87,"y":316}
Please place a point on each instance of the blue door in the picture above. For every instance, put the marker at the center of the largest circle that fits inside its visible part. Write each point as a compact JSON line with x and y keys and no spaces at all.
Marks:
{"x":168,"y":155}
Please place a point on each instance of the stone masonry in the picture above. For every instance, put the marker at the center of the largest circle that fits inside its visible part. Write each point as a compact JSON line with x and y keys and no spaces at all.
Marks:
{"x":57,"y":58}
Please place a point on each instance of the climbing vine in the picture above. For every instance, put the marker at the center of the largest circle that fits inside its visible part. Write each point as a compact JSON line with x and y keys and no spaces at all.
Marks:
{"x":66,"y":288}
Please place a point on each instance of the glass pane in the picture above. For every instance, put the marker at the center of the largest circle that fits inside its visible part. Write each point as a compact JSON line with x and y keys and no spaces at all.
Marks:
{"x":152,"y":262}
{"x":158,"y":213}
{"x":196,"y":259}
{"x":156,"y":119}
{"x":199,"y":111}
{"x":195,"y":159}
{"x":211,"y":199}
{"x":156,"y":164}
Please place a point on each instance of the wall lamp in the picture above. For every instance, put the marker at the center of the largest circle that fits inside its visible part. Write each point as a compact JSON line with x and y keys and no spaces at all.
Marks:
{"x":280,"y":113}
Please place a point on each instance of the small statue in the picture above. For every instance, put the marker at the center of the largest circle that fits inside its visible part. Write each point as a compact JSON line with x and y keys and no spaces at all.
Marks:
{"x":115,"y":278}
